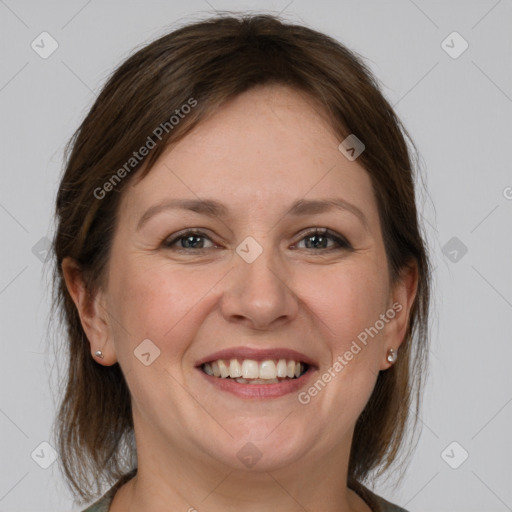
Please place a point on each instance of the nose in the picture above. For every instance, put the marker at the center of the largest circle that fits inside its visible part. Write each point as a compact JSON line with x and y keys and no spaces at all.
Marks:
{"x":258,"y":294}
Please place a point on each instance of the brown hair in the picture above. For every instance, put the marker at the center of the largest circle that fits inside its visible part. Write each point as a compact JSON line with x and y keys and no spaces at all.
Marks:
{"x":209,"y":62}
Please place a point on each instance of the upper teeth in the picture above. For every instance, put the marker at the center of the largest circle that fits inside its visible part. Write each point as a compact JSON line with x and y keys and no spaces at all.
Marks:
{"x":251,"y":369}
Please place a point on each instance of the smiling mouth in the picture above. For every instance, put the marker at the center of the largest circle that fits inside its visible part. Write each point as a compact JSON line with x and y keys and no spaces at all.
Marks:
{"x":249,"y":371}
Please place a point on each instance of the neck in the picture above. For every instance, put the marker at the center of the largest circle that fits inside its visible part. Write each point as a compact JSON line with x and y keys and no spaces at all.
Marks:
{"x":170,"y":477}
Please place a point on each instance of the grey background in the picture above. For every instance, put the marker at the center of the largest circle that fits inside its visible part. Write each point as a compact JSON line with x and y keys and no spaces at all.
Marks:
{"x":459,"y":112}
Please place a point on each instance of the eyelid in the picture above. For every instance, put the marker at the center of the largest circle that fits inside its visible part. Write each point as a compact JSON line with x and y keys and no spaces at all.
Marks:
{"x":170,"y":240}
{"x":341,"y":241}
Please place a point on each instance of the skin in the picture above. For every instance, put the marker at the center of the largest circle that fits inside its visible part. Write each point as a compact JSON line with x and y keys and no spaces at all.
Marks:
{"x":258,"y":154}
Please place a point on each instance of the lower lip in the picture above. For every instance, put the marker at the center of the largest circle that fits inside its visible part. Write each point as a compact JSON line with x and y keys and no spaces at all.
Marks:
{"x":282,"y":388}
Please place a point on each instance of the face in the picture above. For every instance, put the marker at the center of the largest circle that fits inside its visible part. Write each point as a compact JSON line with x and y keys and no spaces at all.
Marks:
{"x":262,"y":277}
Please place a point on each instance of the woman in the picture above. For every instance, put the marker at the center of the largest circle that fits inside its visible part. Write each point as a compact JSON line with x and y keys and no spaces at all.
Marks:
{"x":242,"y":277}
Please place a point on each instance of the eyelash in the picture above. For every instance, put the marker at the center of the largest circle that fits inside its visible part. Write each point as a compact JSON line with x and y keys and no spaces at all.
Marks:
{"x":324,"y":232}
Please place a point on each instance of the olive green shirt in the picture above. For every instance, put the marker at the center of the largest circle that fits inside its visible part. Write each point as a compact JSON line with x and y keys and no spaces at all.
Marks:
{"x":376,"y":503}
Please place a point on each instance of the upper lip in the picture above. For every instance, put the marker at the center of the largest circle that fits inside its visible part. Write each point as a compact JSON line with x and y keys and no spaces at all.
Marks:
{"x":257,"y":355}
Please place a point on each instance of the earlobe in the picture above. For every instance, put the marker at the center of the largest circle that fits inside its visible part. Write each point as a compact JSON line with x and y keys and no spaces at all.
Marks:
{"x":402,"y":299}
{"x":93,"y":315}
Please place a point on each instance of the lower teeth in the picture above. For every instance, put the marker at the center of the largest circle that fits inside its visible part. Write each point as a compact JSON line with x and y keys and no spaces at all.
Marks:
{"x":260,"y":381}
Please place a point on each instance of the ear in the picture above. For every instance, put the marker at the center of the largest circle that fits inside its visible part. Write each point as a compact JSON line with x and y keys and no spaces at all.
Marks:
{"x":92,"y":311}
{"x":402,"y":298}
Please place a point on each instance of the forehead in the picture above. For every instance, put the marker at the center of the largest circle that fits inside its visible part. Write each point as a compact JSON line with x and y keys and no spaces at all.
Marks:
{"x":267,"y":147}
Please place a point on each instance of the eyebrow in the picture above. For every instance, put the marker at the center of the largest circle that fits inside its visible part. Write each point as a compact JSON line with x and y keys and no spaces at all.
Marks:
{"x":212,"y":208}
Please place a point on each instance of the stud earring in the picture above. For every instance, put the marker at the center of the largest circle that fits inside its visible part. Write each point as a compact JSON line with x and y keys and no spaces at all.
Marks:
{"x":99,"y":354}
{"x":391,"y":356}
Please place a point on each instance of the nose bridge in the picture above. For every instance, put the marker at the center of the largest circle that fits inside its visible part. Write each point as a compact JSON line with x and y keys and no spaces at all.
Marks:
{"x":258,"y":290}
{"x":260,"y":273}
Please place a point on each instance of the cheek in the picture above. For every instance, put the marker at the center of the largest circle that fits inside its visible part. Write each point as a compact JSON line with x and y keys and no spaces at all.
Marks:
{"x":159,"y":302}
{"x":349,"y":301}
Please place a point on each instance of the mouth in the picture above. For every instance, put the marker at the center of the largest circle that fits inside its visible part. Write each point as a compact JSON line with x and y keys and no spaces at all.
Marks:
{"x":252,"y":373}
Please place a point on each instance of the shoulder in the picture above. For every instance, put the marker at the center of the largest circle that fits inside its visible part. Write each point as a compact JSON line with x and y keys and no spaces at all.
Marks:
{"x":103,"y":504}
{"x":375,"y":502}
{"x":386,"y":506}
